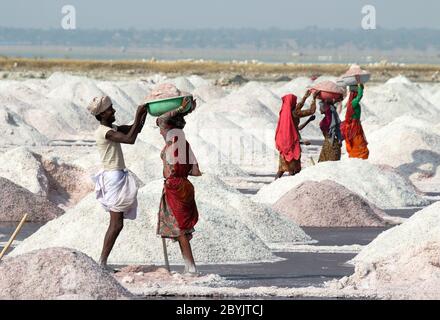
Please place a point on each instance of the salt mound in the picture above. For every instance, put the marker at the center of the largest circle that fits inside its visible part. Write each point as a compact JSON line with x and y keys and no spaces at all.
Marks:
{"x":328,"y":204}
{"x":220,"y":237}
{"x":263,"y":94}
{"x":183,"y":84}
{"x":297,"y":86}
{"x":412,"y":147}
{"x":68,"y":184}
{"x":386,"y":189}
{"x":404,"y":261}
{"x":208,"y":92}
{"x":22,"y":166}
{"x":422,"y":228}
{"x":267,"y":224}
{"x":15,"y":201}
{"x":15,"y":131}
{"x":396,"y":98}
{"x":76,"y":89}
{"x":411,"y":274}
{"x":198,"y":81}
{"x":57,"y":273}
{"x":60,"y":182}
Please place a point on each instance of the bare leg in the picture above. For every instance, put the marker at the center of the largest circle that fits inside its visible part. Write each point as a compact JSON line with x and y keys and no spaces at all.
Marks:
{"x":115,"y":227}
{"x":185,"y":248}
{"x":279,"y":174}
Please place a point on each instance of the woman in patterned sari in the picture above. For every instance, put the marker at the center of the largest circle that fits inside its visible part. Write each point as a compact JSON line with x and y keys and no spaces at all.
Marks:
{"x":330,"y":128}
{"x":178,"y":211}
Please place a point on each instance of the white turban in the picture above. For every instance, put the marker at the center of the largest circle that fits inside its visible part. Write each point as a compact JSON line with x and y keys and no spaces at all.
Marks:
{"x":99,"y":105}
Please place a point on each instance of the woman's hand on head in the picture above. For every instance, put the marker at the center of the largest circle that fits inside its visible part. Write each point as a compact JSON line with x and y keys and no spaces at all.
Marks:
{"x":315,"y":94}
{"x":185,"y":102}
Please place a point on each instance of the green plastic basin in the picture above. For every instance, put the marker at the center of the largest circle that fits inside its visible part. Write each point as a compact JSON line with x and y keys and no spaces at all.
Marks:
{"x":159,"y":107}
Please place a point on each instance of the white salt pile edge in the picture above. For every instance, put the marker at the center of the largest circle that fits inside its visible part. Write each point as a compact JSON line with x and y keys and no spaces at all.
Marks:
{"x":229,"y":230}
{"x":380,"y":185}
{"x":403,"y":262}
{"x":412,"y":147}
{"x":190,"y":290}
{"x":57,"y":273}
{"x":421,"y":228}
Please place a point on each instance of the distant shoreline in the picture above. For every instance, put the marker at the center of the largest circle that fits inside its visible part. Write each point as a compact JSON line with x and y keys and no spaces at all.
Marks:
{"x":248,"y":70}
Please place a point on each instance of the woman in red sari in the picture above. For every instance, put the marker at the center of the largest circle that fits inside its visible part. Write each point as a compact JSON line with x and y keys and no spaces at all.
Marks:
{"x":355,"y":140}
{"x":178,"y":211}
{"x":287,"y":136}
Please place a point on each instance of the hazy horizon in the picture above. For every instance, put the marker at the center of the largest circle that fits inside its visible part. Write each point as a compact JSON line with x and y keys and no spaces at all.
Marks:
{"x":201,"y":14}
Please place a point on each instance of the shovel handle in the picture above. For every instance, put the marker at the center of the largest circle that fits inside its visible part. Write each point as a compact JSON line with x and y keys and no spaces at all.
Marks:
{"x":13,"y":236}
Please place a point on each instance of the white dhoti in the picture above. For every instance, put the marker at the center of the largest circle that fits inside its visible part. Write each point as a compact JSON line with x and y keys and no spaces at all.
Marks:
{"x":117,"y":192}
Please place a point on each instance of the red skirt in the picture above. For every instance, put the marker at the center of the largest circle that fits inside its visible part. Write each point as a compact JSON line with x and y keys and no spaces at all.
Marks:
{"x":178,"y":210}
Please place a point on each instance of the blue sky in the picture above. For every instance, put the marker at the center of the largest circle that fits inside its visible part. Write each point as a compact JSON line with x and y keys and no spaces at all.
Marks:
{"x":193,"y":14}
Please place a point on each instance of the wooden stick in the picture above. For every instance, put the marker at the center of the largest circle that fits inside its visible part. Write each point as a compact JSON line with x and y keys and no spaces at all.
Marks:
{"x":313,"y":161}
{"x":165,"y":254}
{"x":13,"y":236}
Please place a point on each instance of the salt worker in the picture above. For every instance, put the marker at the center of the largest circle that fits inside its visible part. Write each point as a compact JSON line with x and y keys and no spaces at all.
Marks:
{"x":115,"y":186}
{"x":330,"y":128}
{"x":355,"y":140}
{"x":178,"y":212}
{"x":287,"y":137}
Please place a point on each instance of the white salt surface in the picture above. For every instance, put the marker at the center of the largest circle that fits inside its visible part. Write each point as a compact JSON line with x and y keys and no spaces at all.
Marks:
{"x":387,"y":189}
{"x":410,"y":274}
{"x":189,"y":290}
{"x":398,"y":96}
{"x":57,"y":273}
{"x":224,"y":234}
{"x":421,"y":228}
{"x":21,"y":166}
{"x":402,"y":262}
{"x":412,"y":147}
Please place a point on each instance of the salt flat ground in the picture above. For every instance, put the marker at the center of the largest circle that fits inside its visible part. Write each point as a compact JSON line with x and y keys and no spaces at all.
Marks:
{"x":45,"y":126}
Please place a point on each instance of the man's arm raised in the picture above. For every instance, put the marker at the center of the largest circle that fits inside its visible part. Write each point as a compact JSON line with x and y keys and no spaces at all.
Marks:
{"x":131,"y":131}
